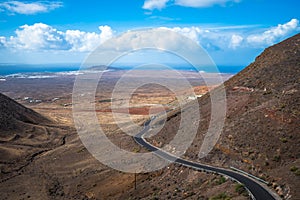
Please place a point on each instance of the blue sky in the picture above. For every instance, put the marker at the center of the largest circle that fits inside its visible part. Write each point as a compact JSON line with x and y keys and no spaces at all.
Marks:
{"x":233,"y":32}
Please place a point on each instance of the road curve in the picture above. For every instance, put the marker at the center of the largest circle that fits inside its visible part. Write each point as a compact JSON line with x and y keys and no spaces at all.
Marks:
{"x":256,"y":190}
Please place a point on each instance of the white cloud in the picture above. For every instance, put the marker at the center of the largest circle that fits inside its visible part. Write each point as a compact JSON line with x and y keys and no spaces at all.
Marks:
{"x":38,"y":36}
{"x":106,"y":33}
{"x":190,"y":32}
{"x":272,"y":35}
{"x":235,"y":41}
{"x":84,"y":41}
{"x":209,"y":39}
{"x":2,"y":41}
{"x":41,"y":36}
{"x":135,"y":39}
{"x":29,"y":8}
{"x":160,"y":4}
{"x":219,"y":38}
{"x":155,"y":4}
{"x":202,"y":3}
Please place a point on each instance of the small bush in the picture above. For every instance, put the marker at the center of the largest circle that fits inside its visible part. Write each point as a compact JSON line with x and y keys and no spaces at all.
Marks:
{"x":297,"y":173}
{"x":222,"y":196}
{"x":276,"y":158}
{"x":136,"y":150}
{"x":239,"y":188}
{"x":283,"y":140}
{"x":221,"y":180}
{"x":293,"y":168}
{"x":296,"y":170}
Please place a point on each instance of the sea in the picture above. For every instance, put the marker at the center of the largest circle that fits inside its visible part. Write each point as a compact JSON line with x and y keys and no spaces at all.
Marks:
{"x":10,"y":69}
{"x":52,"y":70}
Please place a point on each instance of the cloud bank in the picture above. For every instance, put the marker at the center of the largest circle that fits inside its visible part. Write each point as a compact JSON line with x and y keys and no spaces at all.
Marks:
{"x":232,"y":39}
{"x":268,"y":37}
{"x":43,"y":37}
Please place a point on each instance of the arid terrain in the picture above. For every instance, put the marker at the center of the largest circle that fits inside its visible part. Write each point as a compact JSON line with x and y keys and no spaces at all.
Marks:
{"x":42,"y":156}
{"x":261,"y":131}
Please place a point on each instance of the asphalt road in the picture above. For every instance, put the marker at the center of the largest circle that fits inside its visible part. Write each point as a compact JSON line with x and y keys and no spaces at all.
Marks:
{"x":257,"y":191}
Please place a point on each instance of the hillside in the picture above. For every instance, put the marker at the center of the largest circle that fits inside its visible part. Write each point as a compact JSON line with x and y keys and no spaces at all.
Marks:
{"x":261,"y":132}
{"x":24,"y":134}
{"x":40,"y":159}
{"x":13,"y":115}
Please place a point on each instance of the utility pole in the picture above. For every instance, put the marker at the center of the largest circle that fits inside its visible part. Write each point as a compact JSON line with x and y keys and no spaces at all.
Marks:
{"x":135,"y":180}
{"x":282,"y":95}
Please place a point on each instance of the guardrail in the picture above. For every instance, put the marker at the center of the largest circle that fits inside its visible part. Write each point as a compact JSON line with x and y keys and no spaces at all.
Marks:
{"x":202,"y":166}
{"x":250,"y":175}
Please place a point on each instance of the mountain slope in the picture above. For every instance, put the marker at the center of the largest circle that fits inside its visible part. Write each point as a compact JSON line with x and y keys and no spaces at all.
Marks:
{"x":13,"y":115}
{"x":261,"y":132}
{"x":24,"y":134}
{"x":275,"y":69}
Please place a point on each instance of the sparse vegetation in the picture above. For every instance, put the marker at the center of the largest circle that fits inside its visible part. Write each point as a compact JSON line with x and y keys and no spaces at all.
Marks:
{"x":276,"y":158}
{"x":221,"y":196}
{"x":297,"y":173}
{"x":283,"y":140}
{"x":105,"y":101}
{"x":296,"y":170}
{"x":81,"y":150}
{"x":240,"y":188}
{"x":293,"y":168}
{"x":221,"y":180}
{"x":136,"y":150}
{"x":267,"y":92}
{"x":282,"y":106}
{"x":262,"y":135}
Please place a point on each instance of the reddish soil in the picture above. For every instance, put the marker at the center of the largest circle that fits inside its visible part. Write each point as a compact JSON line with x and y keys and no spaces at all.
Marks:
{"x":136,"y":110}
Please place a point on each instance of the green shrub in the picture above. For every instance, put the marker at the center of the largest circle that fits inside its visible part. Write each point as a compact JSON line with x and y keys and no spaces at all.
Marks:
{"x":297,"y":173}
{"x":221,"y":180}
{"x":293,"y":168}
{"x":276,"y":158}
{"x":239,"y":188}
{"x":296,"y":170}
{"x":283,"y":140}
{"x":136,"y":150}
{"x":221,"y":196}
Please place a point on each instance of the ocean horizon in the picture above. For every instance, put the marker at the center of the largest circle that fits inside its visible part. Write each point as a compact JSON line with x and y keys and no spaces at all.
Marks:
{"x":28,"y":69}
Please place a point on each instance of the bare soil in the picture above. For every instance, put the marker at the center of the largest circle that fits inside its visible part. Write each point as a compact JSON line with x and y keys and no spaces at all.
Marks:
{"x":43,"y":158}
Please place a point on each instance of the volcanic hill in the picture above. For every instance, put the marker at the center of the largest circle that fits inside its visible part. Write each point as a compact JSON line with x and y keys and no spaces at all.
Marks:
{"x":15,"y":116}
{"x":41,"y":159}
{"x":24,"y":135}
{"x":261,"y":134}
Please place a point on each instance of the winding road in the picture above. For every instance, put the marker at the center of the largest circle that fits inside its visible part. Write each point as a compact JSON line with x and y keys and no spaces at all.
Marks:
{"x":256,"y":191}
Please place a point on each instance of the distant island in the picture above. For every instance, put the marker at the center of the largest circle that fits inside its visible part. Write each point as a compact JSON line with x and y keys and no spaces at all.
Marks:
{"x":102,"y":68}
